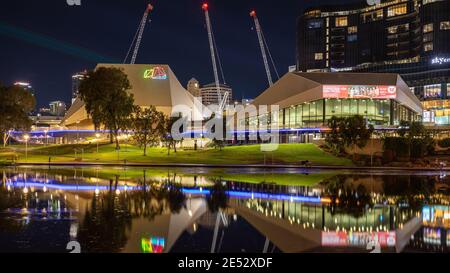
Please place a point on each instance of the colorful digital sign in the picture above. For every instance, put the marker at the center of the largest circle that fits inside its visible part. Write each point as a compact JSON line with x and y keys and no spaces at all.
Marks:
{"x":153,"y":245}
{"x":155,"y":73}
{"x":358,"y":239}
{"x":359,"y":92}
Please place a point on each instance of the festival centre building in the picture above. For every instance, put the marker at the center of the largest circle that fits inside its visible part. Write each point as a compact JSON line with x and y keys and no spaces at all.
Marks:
{"x":152,"y":85}
{"x":308,"y":100}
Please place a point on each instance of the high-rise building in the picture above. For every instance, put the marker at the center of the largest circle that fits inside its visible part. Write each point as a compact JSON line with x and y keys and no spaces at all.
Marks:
{"x":193,"y":87}
{"x":76,"y":81}
{"x":409,"y":37}
{"x":210,"y":94}
{"x":57,"y":108}
{"x":25,"y":85}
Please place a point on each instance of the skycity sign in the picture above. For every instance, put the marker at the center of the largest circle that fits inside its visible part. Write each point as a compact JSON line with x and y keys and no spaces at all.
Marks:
{"x":359,"y":92}
{"x":155,"y":73}
{"x":440,"y":60}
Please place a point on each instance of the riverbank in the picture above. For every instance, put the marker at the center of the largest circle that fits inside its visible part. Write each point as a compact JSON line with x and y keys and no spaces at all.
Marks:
{"x":233,"y":156}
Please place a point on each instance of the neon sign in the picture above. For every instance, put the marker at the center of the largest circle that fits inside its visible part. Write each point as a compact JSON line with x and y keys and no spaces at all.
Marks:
{"x":155,"y":73}
{"x":359,"y":92}
{"x":440,"y":60}
{"x":152,"y":245}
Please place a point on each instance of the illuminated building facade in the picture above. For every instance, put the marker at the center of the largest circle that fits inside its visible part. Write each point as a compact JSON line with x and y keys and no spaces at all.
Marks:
{"x":308,"y":100}
{"x":193,"y":87}
{"x":76,"y":81}
{"x":408,"y":37}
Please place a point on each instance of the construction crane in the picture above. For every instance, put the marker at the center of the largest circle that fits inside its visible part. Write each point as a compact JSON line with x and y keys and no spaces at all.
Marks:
{"x":264,"y":47}
{"x":138,"y":36}
{"x":215,"y":59}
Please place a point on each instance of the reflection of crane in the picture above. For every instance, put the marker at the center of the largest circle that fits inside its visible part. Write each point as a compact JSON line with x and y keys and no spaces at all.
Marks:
{"x":214,"y":55}
{"x":138,"y":36}
{"x":264,"y":47}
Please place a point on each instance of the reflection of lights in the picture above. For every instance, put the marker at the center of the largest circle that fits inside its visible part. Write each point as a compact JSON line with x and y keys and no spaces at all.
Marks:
{"x":44,"y":189}
{"x":117,"y":192}
{"x":190,"y":213}
{"x":97,"y":191}
{"x":25,"y":190}
{"x":194,"y":227}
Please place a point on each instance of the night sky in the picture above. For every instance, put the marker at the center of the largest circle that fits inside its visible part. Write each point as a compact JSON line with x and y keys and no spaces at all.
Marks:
{"x":45,"y":42}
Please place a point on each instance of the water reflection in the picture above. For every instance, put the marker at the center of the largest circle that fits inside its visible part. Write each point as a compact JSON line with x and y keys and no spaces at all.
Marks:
{"x":154,"y":211}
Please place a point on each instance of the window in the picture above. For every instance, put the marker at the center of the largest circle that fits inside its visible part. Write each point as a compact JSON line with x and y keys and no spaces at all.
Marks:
{"x":318,"y":56}
{"x":432,"y":91}
{"x":428,"y":28}
{"x":399,"y":28}
{"x":448,"y":90}
{"x":341,"y":21}
{"x":428,"y":47}
{"x":397,"y":10}
{"x":445,"y":25}
{"x":315,"y":23}
{"x":352,"y":38}
{"x":372,"y":16}
{"x":427,"y":37}
{"x":353,"y":29}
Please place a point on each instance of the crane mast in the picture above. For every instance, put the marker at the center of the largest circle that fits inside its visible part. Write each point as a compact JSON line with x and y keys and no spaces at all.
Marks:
{"x":139,"y":34}
{"x":262,"y":45}
{"x":221,"y":101}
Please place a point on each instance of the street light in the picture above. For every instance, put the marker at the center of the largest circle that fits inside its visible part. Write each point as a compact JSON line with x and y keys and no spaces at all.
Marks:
{"x":26,"y":138}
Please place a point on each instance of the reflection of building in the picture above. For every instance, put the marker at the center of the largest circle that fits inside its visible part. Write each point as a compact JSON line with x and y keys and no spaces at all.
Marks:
{"x":210,"y":96}
{"x":152,"y":85}
{"x":57,"y":108}
{"x":408,"y":37}
{"x":76,"y":81}
{"x":308,"y":100}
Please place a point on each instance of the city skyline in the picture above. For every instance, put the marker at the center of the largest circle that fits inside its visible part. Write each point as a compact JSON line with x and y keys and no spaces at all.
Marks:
{"x":55,"y":41}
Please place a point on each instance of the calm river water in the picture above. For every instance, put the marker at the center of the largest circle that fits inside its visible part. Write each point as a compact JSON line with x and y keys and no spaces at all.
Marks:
{"x":173,"y":210}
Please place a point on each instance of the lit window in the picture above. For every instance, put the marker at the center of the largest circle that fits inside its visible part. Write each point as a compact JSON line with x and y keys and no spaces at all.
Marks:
{"x":428,"y":28}
{"x":399,"y":28}
{"x":318,"y":56}
{"x":352,"y":38}
{"x":432,"y":91}
{"x":315,"y":23}
{"x":353,"y":29}
{"x":341,"y":21}
{"x":445,"y":25}
{"x":397,"y":10}
{"x":448,"y":90}
{"x":428,"y":47}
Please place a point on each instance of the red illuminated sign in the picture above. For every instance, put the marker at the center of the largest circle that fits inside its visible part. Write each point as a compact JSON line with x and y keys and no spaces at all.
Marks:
{"x":340,"y":238}
{"x":359,"y":92}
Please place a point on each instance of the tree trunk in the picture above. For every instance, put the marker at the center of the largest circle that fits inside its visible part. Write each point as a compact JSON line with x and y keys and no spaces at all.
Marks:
{"x":145,"y":149}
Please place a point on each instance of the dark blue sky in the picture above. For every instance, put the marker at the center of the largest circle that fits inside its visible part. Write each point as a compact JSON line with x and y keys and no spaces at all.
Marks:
{"x":45,"y":42}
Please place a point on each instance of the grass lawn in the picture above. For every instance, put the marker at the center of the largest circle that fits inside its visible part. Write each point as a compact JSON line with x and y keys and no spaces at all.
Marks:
{"x":251,"y":154}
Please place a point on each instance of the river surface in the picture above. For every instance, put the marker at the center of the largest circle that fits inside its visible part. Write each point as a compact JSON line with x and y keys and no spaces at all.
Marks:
{"x":189,"y":210}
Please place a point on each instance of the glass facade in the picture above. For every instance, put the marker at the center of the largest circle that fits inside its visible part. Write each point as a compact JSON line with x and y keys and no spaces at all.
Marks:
{"x":317,"y":113}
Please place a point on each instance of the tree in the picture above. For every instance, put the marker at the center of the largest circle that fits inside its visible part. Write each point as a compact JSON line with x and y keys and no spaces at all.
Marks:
{"x":168,"y":139}
{"x":217,"y":144}
{"x":348,"y":132}
{"x":107,"y":100}
{"x":148,"y":126}
{"x":15,"y":104}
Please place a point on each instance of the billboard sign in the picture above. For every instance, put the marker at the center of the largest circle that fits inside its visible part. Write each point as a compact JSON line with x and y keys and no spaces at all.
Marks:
{"x":359,"y":92}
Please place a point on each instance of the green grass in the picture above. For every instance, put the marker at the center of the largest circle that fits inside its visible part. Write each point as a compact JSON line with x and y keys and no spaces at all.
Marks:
{"x":251,"y":154}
